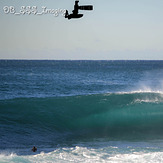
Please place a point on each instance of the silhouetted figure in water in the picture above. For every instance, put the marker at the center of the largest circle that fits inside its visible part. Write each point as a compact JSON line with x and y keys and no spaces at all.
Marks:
{"x":75,"y":12}
{"x":34,"y":149}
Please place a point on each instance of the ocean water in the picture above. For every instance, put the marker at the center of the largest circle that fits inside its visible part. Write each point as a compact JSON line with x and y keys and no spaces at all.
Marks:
{"x":81,"y":111}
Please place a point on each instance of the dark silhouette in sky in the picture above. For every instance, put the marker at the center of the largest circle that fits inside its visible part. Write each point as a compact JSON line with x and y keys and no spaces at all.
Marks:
{"x":75,"y":12}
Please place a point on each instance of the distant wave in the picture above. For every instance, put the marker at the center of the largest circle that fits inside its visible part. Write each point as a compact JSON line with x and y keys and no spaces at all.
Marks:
{"x":111,"y":115}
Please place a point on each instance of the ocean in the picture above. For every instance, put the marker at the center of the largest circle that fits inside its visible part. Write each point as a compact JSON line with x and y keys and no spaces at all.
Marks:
{"x":81,"y":111}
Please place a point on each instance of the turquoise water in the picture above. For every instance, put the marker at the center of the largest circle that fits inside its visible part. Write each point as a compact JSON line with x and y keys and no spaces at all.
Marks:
{"x":81,"y":111}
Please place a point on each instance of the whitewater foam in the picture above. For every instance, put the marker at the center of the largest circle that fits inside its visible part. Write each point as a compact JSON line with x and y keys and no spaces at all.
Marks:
{"x":156,"y":100}
{"x":138,"y":157}
{"x":88,"y":154}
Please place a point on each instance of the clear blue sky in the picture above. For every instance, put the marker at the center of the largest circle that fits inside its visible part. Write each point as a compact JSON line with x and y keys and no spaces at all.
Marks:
{"x":116,"y":29}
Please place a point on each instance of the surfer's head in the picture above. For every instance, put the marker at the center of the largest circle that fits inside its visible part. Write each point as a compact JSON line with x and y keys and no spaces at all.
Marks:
{"x":34,"y":149}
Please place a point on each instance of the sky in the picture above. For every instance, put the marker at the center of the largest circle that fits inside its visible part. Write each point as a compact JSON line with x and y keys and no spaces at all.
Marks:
{"x":114,"y":30}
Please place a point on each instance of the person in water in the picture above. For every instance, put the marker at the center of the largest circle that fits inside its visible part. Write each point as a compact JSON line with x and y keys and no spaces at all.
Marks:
{"x":34,"y":149}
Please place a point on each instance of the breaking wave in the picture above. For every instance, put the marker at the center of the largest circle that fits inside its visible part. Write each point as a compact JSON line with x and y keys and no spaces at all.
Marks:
{"x":101,"y":115}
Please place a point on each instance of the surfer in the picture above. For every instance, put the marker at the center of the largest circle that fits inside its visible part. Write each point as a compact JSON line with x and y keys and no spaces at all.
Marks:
{"x":34,"y":149}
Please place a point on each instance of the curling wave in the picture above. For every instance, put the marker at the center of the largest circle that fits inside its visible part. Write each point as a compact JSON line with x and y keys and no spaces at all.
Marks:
{"x":106,"y":115}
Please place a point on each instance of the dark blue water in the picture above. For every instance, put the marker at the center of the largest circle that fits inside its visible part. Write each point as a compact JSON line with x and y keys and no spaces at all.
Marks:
{"x":59,"y":103}
{"x":64,"y":78}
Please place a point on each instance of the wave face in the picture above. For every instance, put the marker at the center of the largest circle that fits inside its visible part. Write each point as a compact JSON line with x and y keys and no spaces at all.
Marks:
{"x":114,"y":115}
